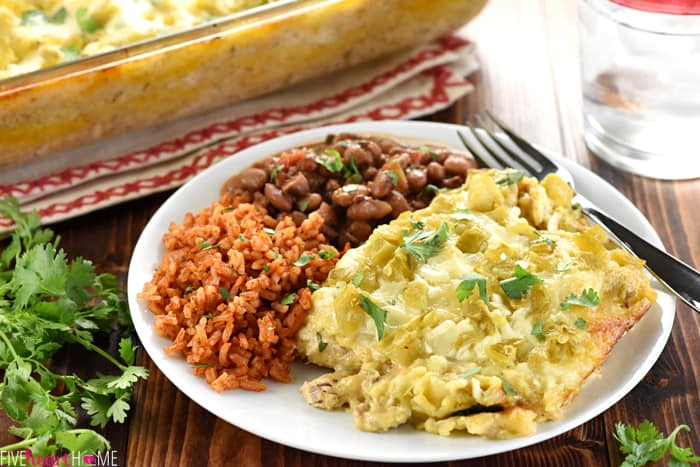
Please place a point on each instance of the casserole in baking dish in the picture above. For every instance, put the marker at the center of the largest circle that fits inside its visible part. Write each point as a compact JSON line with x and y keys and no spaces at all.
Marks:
{"x":218,"y":62}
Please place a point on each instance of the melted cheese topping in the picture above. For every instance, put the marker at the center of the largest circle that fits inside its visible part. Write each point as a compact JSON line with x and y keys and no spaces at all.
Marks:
{"x":39,"y":33}
{"x":493,"y":368}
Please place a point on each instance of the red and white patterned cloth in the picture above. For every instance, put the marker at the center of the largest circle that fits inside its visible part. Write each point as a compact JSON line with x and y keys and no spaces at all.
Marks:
{"x":407,"y":85}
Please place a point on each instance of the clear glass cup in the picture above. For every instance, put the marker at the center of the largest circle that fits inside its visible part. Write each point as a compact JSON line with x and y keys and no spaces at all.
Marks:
{"x":640,"y":70}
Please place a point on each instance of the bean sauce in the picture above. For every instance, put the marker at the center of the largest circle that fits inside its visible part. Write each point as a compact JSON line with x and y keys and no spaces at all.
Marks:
{"x":354,"y":182}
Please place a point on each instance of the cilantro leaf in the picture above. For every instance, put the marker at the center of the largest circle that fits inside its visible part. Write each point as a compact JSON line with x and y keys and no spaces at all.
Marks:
{"x":225,"y":294}
{"x":326,"y":254}
{"x":126,"y":350}
{"x":321,"y":344}
{"x":289,"y":299}
{"x":87,"y":24}
{"x":275,"y":170}
{"x":312,"y":285}
{"x":129,"y":377}
{"x":470,"y":372}
{"x":507,"y":388}
{"x":375,"y":312}
{"x":117,"y":411}
{"x":424,"y":244}
{"x":537,"y":330}
{"x":392,"y":176}
{"x":588,"y":298}
{"x":469,"y":281}
{"x":32,"y":17}
{"x":580,"y":323}
{"x":522,"y":281}
{"x":511,"y":177}
{"x":334,"y":163}
{"x":357,"y":279}
{"x":303,"y":260}
{"x":645,"y":444}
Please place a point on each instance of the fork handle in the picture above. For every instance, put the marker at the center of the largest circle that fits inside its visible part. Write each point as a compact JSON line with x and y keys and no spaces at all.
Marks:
{"x":677,"y":276}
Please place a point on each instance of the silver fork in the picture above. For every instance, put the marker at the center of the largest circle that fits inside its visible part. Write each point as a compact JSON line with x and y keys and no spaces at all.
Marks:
{"x":506,"y":150}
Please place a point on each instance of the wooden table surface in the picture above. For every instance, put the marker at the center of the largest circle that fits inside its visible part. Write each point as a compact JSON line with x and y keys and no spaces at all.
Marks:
{"x":529,"y":76}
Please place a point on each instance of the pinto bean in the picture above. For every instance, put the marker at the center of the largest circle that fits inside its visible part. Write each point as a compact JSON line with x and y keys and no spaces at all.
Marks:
{"x":436,"y":172}
{"x":398,"y":203}
{"x":456,"y":165}
{"x":251,"y":179}
{"x":342,"y":198}
{"x":326,"y":211}
{"x":313,"y":201}
{"x":354,"y":152}
{"x":374,"y":148}
{"x":277,"y":198}
{"x":453,"y":182}
{"x":404,"y":160}
{"x":358,"y":231}
{"x":382,"y":185}
{"x":368,"y":208}
{"x":297,"y":185}
{"x":417,"y":178}
{"x":370,"y":173}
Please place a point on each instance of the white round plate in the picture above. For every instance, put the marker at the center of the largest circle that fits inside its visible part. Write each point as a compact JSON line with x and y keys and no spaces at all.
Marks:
{"x":280,"y":414}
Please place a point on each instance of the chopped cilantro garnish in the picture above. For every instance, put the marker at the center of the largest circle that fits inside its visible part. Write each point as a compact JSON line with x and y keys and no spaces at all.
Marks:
{"x":303,"y":205}
{"x":357,"y":279}
{"x":303,"y":260}
{"x":70,"y":52}
{"x":461,"y":214}
{"x":86,"y":24}
{"x":561,"y":267}
{"x":588,"y":298}
{"x":242,"y":238}
{"x":537,"y":330}
{"x":275,"y":170}
{"x":266,"y":268}
{"x":189,"y":289}
{"x":334,"y":163}
{"x":424,"y":244}
{"x":511,"y":177}
{"x":392,"y":175}
{"x":59,"y":17}
{"x":542,"y":239}
{"x":269,"y":231}
{"x":430,"y":188}
{"x":470,"y":372}
{"x":326,"y":254}
{"x":580,"y":323}
{"x":521,"y":282}
{"x":31,"y":17}
{"x":225,"y":293}
{"x":507,"y":388}
{"x":202,"y":365}
{"x":376,"y":313}
{"x":321,"y":345}
{"x":418,"y":225}
{"x":353,"y":173}
{"x":205,"y":245}
{"x":312,"y":285}
{"x":208,"y":315}
{"x":275,"y":255}
{"x":289,"y":299}
{"x":469,"y":281}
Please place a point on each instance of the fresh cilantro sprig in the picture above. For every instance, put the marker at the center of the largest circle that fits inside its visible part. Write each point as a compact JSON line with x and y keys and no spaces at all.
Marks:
{"x":645,"y":444}
{"x":422,"y":244}
{"x":375,"y":312}
{"x":588,"y":298}
{"x":521,"y":282}
{"x":47,"y":302}
{"x":469,"y":281}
